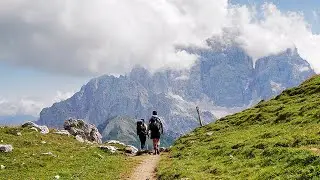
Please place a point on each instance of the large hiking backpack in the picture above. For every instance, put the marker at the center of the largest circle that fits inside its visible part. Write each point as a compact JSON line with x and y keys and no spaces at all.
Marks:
{"x":155,"y":125}
{"x":141,"y":128}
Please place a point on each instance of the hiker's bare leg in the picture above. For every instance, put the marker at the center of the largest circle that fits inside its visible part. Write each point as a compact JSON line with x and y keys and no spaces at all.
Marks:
{"x":154,"y":145}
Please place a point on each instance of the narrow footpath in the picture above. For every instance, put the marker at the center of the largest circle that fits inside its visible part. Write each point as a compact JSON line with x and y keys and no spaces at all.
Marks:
{"x":146,"y":170}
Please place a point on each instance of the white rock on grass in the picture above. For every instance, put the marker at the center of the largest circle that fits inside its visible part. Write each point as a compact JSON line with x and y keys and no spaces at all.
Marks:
{"x":43,"y":142}
{"x":35,"y":129}
{"x":131,"y":149}
{"x":112,"y":149}
{"x":43,"y":129}
{"x":100,"y":156}
{"x":57,"y":177}
{"x":6,"y":148}
{"x":2,"y":167}
{"x":209,"y":133}
{"x":19,"y":134}
{"x":79,"y":138}
{"x":49,"y":153}
{"x":88,"y":142}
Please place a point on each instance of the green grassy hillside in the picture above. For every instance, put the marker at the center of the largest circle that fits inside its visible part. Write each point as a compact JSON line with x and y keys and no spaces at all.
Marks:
{"x":276,"y":139}
{"x":70,"y":159}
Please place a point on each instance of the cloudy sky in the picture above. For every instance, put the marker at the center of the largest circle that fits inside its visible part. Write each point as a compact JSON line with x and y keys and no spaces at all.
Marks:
{"x":49,"y":49}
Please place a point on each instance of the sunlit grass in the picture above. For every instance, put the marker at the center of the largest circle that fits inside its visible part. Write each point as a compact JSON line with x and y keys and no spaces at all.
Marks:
{"x":275,"y":139}
{"x":70,"y":159}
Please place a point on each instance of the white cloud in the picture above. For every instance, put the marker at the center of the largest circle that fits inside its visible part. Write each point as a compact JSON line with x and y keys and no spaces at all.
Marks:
{"x":29,"y":106}
{"x":62,"y":96}
{"x":83,"y":37}
{"x":275,"y":32}
{"x":20,"y":107}
{"x":265,"y":36}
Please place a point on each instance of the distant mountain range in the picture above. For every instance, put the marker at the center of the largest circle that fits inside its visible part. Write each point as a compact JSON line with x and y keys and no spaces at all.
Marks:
{"x":223,"y":81}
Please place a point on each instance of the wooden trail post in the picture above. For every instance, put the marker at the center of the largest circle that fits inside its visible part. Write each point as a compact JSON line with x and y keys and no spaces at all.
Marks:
{"x":198,"y":111}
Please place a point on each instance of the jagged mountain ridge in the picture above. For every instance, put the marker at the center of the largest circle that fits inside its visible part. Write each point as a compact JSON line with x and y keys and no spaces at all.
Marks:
{"x":220,"y":78}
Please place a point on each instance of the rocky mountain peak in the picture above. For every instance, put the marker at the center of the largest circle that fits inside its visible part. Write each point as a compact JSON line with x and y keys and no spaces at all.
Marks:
{"x":220,"y":82}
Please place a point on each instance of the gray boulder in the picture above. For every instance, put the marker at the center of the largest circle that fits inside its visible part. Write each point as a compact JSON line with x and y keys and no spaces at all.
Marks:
{"x":79,"y":128}
{"x":131,"y":149}
{"x":6,"y":148}
{"x":42,"y":129}
{"x":35,"y":129}
{"x":79,"y":138}
{"x":112,"y":149}
{"x":49,"y":154}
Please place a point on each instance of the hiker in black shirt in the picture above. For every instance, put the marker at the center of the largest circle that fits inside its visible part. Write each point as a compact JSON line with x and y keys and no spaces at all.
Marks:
{"x":156,"y":130}
{"x":142,"y":133}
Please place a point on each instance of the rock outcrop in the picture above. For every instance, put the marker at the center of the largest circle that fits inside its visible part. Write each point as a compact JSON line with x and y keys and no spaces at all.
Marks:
{"x":6,"y":148}
{"x":83,"y":131}
{"x":112,"y":149}
{"x":131,"y":149}
{"x":32,"y":125}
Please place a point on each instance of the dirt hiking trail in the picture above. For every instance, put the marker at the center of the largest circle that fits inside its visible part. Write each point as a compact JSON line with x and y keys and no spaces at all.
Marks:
{"x":146,"y":170}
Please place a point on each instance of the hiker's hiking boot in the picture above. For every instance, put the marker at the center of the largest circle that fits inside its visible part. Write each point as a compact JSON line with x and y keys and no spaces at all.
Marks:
{"x":158,"y":152}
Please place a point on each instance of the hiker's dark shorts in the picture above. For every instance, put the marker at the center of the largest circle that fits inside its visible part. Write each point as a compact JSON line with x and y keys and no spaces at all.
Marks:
{"x":155,"y":136}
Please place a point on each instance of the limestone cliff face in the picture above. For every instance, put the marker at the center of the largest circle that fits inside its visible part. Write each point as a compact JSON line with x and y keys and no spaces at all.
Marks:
{"x":219,"y":82}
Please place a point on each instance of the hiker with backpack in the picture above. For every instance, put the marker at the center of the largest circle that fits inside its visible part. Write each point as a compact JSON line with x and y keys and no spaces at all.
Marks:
{"x":142,"y":133}
{"x":156,"y":130}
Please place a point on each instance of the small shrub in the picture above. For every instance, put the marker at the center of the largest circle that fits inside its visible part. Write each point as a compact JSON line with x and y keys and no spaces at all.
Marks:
{"x":282,"y":144}
{"x":267,"y":135}
{"x":213,"y":170}
{"x":260,"y":146}
{"x":215,"y":147}
{"x":12,"y":131}
{"x":237,"y":146}
{"x":248,"y":153}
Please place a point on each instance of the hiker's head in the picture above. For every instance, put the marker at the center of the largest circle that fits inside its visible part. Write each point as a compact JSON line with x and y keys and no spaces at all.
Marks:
{"x":142,"y":120}
{"x":154,"y":113}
